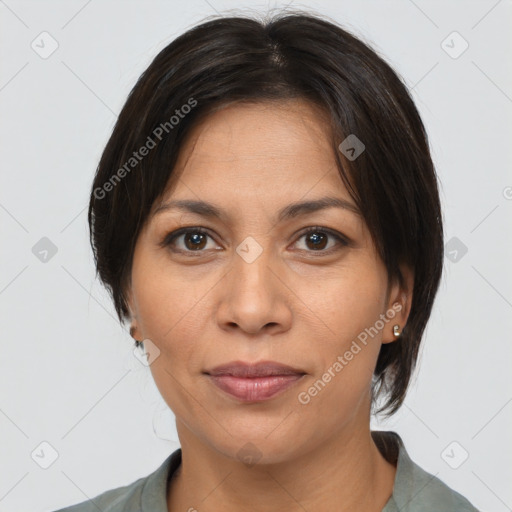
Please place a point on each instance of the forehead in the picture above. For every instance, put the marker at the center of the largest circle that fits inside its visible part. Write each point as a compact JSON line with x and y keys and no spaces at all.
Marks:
{"x":265,"y":149}
{"x":242,"y":128}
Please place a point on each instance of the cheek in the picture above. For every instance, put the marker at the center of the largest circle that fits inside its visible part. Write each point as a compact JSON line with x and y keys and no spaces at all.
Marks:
{"x":341,"y":386}
{"x":168,"y":309}
{"x":349,"y":305}
{"x":345,"y":302}
{"x":168,"y":303}
{"x":172,"y":316}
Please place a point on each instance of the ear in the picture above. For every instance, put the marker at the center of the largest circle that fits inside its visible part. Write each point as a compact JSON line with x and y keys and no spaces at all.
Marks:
{"x":134,"y":327}
{"x":399,"y":304}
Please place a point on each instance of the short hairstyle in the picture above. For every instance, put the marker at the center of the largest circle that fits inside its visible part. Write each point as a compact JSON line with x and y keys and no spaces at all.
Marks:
{"x":283,"y":56}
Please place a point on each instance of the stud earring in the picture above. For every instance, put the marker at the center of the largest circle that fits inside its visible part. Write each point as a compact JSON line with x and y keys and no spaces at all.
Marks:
{"x":137,"y":342}
{"x":396,"y":330}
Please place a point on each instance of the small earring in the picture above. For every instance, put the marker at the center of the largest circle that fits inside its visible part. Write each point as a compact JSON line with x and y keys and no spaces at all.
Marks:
{"x":396,"y":330}
{"x":137,"y":342}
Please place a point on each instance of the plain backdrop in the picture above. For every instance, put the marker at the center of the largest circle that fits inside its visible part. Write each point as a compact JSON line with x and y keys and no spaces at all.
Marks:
{"x":73,"y":396}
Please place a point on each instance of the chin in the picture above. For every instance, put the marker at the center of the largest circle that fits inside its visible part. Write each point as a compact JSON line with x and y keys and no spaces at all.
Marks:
{"x":262,"y":446}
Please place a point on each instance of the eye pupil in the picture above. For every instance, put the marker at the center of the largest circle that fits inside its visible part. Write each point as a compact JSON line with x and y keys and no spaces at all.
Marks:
{"x":318,"y":240}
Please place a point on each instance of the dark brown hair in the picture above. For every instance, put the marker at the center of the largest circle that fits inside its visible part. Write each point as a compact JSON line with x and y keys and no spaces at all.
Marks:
{"x":288,"y":55}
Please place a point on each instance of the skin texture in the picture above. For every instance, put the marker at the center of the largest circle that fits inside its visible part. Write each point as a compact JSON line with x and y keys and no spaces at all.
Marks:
{"x":293,"y":304}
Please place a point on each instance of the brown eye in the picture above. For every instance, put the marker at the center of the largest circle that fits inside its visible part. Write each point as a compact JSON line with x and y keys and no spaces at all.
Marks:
{"x":194,"y":241}
{"x":187,"y":240}
{"x":317,"y":239}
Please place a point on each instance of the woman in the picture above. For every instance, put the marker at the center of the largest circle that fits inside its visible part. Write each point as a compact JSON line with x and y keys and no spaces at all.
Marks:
{"x":266,"y":216}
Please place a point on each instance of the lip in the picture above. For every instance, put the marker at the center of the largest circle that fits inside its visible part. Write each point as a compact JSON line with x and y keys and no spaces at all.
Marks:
{"x":254,"y":382}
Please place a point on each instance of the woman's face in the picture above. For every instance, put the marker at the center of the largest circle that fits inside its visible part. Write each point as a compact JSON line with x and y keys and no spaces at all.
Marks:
{"x":255,"y":287}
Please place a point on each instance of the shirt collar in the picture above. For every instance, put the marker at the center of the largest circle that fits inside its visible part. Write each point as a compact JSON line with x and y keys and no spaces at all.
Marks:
{"x":410,"y":479}
{"x":154,"y":492}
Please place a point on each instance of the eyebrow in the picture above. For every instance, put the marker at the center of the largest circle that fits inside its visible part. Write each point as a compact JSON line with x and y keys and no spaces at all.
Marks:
{"x":291,"y":211}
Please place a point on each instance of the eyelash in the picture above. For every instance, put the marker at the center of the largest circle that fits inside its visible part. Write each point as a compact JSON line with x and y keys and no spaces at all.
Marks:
{"x":170,"y":238}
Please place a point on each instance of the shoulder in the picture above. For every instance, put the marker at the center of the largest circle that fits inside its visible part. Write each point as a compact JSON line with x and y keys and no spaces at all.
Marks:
{"x":146,"y":494}
{"x":119,"y":499}
{"x":427,"y":492}
{"x":416,"y":490}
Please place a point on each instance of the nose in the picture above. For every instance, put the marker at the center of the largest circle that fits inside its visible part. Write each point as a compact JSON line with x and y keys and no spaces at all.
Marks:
{"x":254,"y":296}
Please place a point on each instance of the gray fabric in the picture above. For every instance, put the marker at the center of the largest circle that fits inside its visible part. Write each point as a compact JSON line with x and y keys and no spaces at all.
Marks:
{"x":414,"y":489}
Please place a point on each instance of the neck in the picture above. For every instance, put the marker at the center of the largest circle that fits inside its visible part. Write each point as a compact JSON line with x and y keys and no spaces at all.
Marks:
{"x":344,"y":473}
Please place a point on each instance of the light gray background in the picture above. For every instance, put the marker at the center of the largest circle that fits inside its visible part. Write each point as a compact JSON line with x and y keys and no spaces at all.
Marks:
{"x":68,"y":375}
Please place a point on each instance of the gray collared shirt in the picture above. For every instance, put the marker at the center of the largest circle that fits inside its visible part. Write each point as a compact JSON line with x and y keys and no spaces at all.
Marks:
{"x":414,"y":489}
